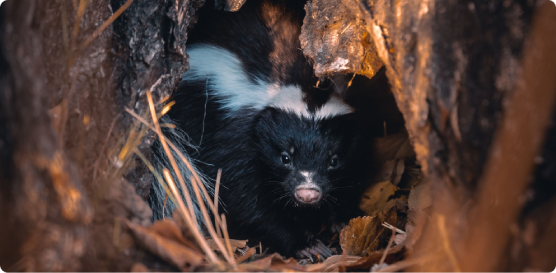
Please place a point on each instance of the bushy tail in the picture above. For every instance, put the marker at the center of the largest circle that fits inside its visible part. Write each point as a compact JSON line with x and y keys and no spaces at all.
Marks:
{"x":158,"y":195}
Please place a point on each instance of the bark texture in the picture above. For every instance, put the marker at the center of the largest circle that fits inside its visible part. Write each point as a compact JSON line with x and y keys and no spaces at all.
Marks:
{"x":62,"y":119}
{"x":44,"y":205}
{"x":334,"y":35}
{"x":453,"y":67}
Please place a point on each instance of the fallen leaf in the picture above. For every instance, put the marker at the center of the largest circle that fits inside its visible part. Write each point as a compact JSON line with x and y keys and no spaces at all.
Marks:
{"x":246,"y":255}
{"x":177,"y":217}
{"x":170,"y":230}
{"x":168,"y":247}
{"x":274,"y":262}
{"x":234,"y":243}
{"x":420,"y":197}
{"x":333,"y":264}
{"x":365,"y":234}
{"x":375,"y":198}
{"x":394,"y":254}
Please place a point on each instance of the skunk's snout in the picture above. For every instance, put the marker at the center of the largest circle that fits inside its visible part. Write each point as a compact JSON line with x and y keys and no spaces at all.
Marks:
{"x":307,"y":195}
{"x":308,"y":192}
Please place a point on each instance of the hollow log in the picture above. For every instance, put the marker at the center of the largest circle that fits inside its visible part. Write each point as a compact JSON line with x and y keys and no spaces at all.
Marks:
{"x":472,"y":79}
{"x":65,"y":84}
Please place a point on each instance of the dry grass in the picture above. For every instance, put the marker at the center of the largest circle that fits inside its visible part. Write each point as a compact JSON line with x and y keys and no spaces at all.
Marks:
{"x":216,"y":229}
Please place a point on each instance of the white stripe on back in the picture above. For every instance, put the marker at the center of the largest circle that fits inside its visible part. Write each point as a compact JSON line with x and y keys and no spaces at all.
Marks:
{"x":229,"y":82}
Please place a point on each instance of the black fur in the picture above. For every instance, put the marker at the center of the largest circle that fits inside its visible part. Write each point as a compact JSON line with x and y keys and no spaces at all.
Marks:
{"x":257,"y":187}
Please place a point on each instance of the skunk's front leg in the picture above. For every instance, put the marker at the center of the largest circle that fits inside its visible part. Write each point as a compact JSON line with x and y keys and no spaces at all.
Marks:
{"x":292,"y":240}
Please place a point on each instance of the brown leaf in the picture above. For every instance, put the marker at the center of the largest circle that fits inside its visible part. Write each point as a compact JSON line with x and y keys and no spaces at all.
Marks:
{"x":333,"y":264}
{"x":373,"y":258}
{"x":365,"y":234}
{"x":274,"y":262}
{"x":169,"y":246}
{"x":375,"y":198}
{"x":419,"y":197}
{"x":177,"y":217}
{"x":167,"y":228}
{"x":234,"y":243}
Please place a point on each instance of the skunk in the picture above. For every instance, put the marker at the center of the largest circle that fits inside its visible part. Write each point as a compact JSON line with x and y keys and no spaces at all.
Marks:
{"x":293,"y":152}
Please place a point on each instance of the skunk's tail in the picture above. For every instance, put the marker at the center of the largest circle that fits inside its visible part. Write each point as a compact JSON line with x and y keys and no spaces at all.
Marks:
{"x":158,"y":194}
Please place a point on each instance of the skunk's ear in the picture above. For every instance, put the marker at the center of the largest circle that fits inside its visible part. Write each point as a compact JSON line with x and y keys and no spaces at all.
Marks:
{"x":264,"y":120}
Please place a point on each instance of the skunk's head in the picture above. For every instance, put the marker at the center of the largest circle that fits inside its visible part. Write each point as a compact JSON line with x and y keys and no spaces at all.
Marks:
{"x":307,"y":157}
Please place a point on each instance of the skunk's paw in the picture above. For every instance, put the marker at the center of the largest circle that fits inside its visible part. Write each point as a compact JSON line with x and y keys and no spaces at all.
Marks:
{"x":317,"y":249}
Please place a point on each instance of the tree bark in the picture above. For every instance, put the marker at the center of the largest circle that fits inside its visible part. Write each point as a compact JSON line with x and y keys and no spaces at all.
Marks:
{"x":62,"y":117}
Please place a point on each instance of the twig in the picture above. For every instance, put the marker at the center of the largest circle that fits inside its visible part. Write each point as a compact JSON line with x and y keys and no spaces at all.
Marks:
{"x":190,"y":218}
{"x":196,"y":187}
{"x":226,"y":235}
{"x":106,"y":24}
{"x":180,"y":155}
{"x":387,"y":248}
{"x":344,"y":30}
{"x":216,"y":189}
{"x":389,"y":226}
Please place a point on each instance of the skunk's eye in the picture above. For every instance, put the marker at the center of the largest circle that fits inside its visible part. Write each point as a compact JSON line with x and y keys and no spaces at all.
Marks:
{"x":286,"y":159}
{"x":333,"y":162}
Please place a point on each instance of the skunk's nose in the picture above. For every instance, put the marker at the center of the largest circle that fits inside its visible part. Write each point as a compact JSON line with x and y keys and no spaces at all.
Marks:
{"x":307,"y":195}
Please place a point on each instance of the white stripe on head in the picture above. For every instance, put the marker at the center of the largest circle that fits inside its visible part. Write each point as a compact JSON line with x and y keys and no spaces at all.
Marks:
{"x":229,"y":82}
{"x":333,"y":107}
{"x":290,"y":99}
{"x":308,"y":183}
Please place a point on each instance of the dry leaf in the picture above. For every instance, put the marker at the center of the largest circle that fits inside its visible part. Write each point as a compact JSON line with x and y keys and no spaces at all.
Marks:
{"x":364,"y":234}
{"x":274,"y":262}
{"x":170,"y":230}
{"x":234,"y":243}
{"x":333,"y":264}
{"x":373,"y":258}
{"x":419,"y":197}
{"x":168,"y":247}
{"x":375,"y":198}
{"x":177,"y":217}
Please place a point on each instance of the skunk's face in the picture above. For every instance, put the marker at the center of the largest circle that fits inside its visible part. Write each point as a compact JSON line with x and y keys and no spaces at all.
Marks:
{"x":307,"y":159}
